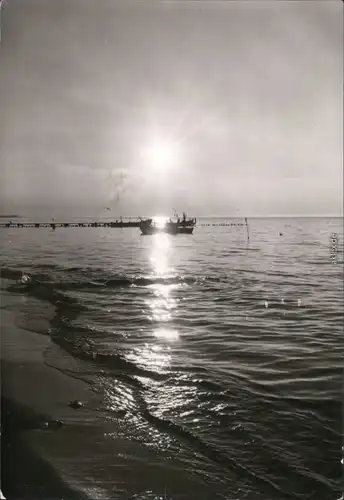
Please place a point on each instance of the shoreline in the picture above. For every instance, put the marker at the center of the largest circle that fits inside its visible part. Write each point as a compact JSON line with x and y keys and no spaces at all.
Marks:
{"x":34,"y":405}
{"x":86,"y":457}
{"x":24,"y":473}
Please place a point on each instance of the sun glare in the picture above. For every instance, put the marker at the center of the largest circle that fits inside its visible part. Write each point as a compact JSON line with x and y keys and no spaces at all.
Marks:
{"x":161,"y":154}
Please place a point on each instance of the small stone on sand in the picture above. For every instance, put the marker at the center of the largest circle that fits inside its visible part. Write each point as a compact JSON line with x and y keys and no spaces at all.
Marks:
{"x":76,"y":404}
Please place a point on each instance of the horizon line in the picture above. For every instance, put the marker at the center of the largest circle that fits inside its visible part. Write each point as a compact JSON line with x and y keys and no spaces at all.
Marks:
{"x":236,"y":216}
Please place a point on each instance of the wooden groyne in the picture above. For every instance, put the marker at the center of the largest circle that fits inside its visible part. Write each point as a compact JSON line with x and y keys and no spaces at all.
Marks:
{"x":225,"y":224}
{"x":55,"y":225}
{"x":111,"y":224}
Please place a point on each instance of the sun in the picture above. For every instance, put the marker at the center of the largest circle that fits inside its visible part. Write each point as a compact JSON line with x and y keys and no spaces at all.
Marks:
{"x":161,"y":154}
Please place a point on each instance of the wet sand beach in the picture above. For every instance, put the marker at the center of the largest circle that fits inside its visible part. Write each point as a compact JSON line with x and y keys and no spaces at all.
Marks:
{"x":34,"y":403}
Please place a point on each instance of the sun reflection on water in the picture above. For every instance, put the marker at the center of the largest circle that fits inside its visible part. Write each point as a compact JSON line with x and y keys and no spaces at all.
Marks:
{"x":154,"y":357}
{"x":166,"y":333}
{"x":160,"y":305}
{"x":160,"y":254}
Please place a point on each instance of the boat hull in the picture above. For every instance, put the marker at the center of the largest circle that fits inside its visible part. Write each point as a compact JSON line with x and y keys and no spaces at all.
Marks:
{"x":185,"y":226}
{"x":148,"y":229}
{"x":185,"y":229}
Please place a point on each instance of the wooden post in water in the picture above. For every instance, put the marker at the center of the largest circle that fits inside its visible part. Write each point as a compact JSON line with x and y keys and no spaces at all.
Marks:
{"x":247,"y":230}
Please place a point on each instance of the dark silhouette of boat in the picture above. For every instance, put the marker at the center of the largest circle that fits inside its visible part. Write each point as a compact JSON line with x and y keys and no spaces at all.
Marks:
{"x":122,"y":223}
{"x":184,"y":226}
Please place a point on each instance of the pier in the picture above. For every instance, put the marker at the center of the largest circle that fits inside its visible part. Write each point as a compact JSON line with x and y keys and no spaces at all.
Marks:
{"x":55,"y":225}
{"x":224,"y":224}
{"x":111,"y":224}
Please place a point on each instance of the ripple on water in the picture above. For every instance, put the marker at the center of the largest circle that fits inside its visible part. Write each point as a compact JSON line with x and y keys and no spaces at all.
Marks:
{"x":222,"y":358}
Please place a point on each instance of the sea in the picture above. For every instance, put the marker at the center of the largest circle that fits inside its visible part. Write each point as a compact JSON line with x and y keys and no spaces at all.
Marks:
{"x":218,"y":358}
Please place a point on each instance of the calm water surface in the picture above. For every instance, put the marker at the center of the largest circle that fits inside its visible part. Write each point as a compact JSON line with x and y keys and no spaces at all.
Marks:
{"x":218,"y":360}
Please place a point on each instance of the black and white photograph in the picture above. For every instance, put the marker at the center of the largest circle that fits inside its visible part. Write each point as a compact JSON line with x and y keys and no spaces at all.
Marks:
{"x":171,"y":249}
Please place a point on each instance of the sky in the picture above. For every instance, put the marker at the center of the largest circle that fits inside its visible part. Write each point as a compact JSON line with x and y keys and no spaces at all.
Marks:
{"x":216,"y":108}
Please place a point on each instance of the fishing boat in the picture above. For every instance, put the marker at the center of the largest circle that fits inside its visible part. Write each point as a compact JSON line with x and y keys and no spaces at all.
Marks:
{"x":130,"y":223}
{"x":169,"y":228}
{"x":145,"y":221}
{"x":185,"y":221}
{"x":148,"y":228}
{"x":186,"y":226}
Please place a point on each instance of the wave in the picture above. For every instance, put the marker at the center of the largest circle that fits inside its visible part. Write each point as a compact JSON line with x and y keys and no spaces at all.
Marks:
{"x":83,"y":348}
{"x":223,"y":460}
{"x":79,"y":283}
